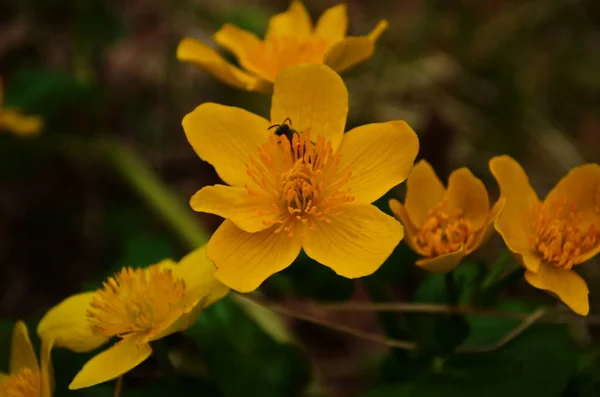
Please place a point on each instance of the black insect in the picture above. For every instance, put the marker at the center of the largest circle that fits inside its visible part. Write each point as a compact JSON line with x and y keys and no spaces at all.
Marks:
{"x":284,"y":129}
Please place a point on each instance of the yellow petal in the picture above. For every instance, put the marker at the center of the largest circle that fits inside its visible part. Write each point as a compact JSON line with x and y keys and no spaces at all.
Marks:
{"x":22,"y":354}
{"x":468,"y":193}
{"x":295,"y":22}
{"x":443,"y":263}
{"x":424,"y":191}
{"x":184,"y":321}
{"x":201,"y":55}
{"x":409,"y":229}
{"x":333,"y":23}
{"x":515,"y":222}
{"x":356,"y":242}
{"x":66,"y":324}
{"x":46,"y":369}
{"x":226,"y":137}
{"x":244,"y":260}
{"x":20,"y":124}
{"x":380,"y":156}
{"x":234,"y":203}
{"x":314,"y":98}
{"x":111,"y":363}
{"x":3,"y":376}
{"x":487,"y":232}
{"x":238,"y":41}
{"x":566,"y":284}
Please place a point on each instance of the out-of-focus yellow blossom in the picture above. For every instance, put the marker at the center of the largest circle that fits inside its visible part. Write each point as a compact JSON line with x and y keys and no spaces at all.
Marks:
{"x":444,"y":225}
{"x":136,"y":305}
{"x":552,"y":236}
{"x":290,"y":40}
{"x":311,"y":189}
{"x":26,"y":377}
{"x":14,"y":121}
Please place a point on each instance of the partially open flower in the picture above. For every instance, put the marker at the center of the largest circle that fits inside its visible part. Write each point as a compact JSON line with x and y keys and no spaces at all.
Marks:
{"x":26,"y":377}
{"x":137,"y":306}
{"x":298,"y":181}
{"x":552,"y":236}
{"x":290,"y":40}
{"x":444,"y":225}
{"x":13,"y":120}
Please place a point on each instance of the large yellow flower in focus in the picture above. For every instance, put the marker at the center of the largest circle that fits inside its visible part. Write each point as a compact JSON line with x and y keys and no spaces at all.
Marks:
{"x":290,"y":40}
{"x":552,"y":236}
{"x":445,"y":225}
{"x":138,"y":306}
{"x":313,"y":191}
{"x":26,"y":377}
{"x":12,"y":120}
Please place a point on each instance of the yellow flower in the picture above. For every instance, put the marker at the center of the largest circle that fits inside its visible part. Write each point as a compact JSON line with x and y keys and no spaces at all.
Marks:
{"x":136,"y":305}
{"x":13,"y":120}
{"x":444,"y":225}
{"x":290,"y":40}
{"x":552,"y":236}
{"x":311,"y":190}
{"x":27,"y":378}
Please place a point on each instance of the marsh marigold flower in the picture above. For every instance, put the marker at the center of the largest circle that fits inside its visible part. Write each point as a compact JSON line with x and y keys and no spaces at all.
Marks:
{"x":137,"y":306}
{"x":13,"y":120}
{"x":444,"y":225}
{"x":310,"y":188}
{"x":27,"y":378}
{"x":290,"y":40}
{"x":552,"y":236}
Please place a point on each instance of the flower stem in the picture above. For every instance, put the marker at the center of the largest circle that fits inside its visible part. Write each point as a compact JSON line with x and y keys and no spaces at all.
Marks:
{"x":161,"y":353}
{"x":451,"y":288}
{"x":118,"y":387}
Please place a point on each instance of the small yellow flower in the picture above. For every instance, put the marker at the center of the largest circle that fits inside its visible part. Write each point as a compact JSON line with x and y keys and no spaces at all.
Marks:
{"x":312,"y":189}
{"x":136,"y":305}
{"x":444,"y":225}
{"x":13,"y":120}
{"x":552,"y":236}
{"x":27,"y":378}
{"x":290,"y":40}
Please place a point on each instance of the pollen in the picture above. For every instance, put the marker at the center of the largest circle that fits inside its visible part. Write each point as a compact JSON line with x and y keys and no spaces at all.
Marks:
{"x":302,"y":180}
{"x":443,"y":233}
{"x":560,"y":236}
{"x":137,"y":301}
{"x":25,"y":383}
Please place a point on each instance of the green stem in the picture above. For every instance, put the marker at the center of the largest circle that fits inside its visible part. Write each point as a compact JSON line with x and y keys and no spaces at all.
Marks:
{"x":451,"y":288}
{"x":118,"y":386}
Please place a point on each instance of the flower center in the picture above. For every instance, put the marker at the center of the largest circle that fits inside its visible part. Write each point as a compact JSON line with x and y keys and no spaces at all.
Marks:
{"x":25,"y":383}
{"x":560,"y":237}
{"x":302,"y":180}
{"x":140,"y":301}
{"x":274,"y":55}
{"x":443,"y":233}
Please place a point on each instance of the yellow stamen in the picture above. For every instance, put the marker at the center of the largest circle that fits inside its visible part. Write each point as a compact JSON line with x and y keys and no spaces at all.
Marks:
{"x":560,"y":237}
{"x":25,"y":383}
{"x":274,"y":55}
{"x":141,"y":301}
{"x":443,"y":233}
{"x":301,"y":179}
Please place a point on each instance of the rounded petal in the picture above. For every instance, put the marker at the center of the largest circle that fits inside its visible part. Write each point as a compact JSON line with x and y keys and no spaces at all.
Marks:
{"x":46,"y":369}
{"x":201,"y":55}
{"x":244,"y":260}
{"x":295,"y":22}
{"x":443,"y":263}
{"x":356,"y":242}
{"x":249,"y":213}
{"x":226,"y":137}
{"x":468,"y":193}
{"x":424,"y":191}
{"x":333,"y":23}
{"x":515,"y":222}
{"x":14,"y":121}
{"x":239,"y":42}
{"x":566,"y":284}
{"x":22,"y":354}
{"x":409,"y":229}
{"x":111,"y":363}
{"x":380,"y":156}
{"x":314,"y":98}
{"x":486,"y":233}
{"x":66,"y":324}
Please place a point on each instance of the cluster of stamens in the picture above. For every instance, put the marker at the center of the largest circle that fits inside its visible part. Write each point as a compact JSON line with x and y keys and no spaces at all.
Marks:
{"x":443,"y":232}
{"x":136,"y":301}
{"x":302,"y":180}
{"x":560,"y":236}
{"x":25,"y":383}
